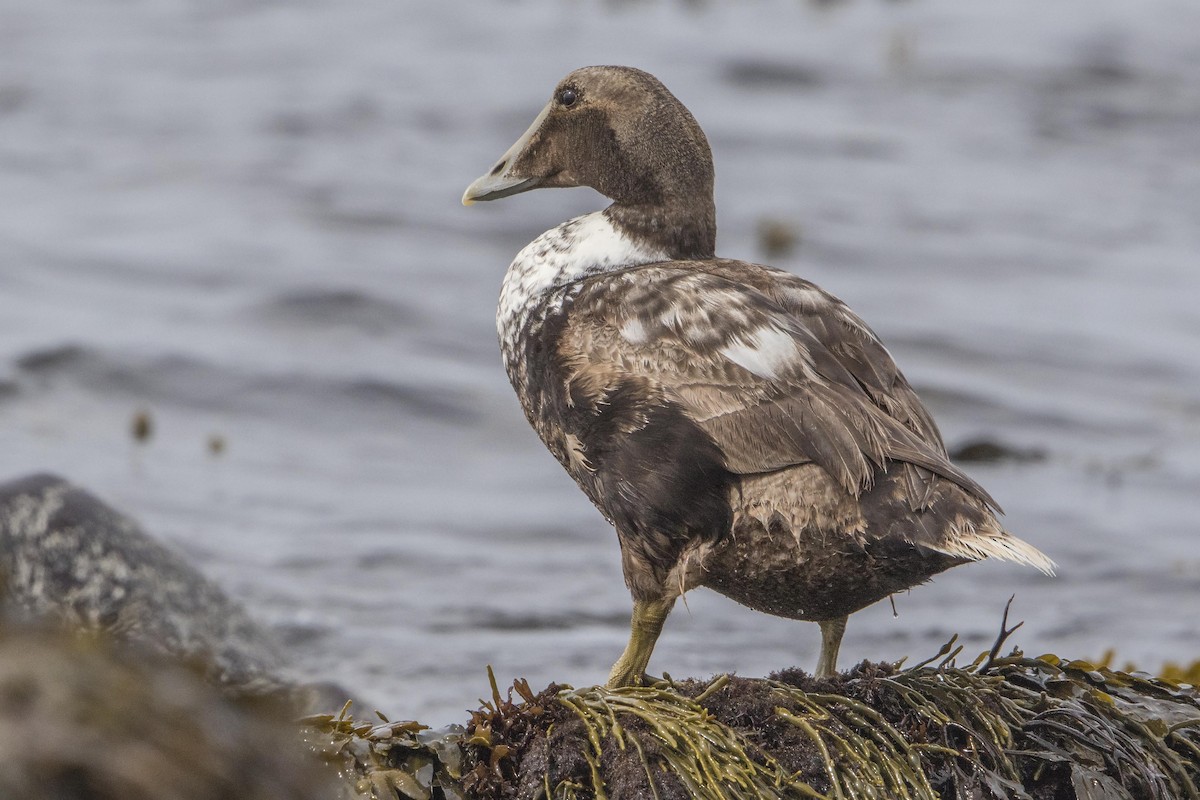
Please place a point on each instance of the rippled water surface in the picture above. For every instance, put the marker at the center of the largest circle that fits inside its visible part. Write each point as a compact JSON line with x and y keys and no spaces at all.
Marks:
{"x":242,"y":216}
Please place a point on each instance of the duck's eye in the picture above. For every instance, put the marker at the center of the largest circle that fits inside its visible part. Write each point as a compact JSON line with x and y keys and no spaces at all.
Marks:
{"x":568,"y":98}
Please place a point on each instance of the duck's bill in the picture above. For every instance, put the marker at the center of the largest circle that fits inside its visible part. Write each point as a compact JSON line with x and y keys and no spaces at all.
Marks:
{"x":493,"y":187}
{"x":501,"y":181}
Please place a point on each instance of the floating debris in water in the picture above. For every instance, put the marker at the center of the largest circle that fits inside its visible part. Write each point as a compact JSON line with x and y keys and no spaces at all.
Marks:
{"x":776,"y":238}
{"x":142,"y":427}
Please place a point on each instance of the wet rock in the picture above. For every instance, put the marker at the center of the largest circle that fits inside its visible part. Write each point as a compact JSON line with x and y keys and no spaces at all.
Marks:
{"x":67,"y":556}
{"x":82,"y":718}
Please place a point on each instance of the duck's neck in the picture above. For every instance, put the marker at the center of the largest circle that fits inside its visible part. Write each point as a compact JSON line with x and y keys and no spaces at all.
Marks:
{"x":682,"y":230}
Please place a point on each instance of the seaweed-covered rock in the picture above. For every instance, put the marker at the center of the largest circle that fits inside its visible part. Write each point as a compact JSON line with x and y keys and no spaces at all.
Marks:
{"x":67,"y":556}
{"x":1013,"y":728}
{"x":82,"y":718}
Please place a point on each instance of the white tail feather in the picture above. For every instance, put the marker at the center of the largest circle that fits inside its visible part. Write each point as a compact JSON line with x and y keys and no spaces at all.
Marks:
{"x":970,"y":543}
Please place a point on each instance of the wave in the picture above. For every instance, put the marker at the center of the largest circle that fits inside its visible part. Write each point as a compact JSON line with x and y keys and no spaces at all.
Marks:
{"x":310,"y":308}
{"x":190,"y":382}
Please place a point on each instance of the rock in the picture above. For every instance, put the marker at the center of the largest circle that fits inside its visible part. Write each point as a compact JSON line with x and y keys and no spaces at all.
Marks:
{"x":83,"y":718}
{"x":67,"y":556}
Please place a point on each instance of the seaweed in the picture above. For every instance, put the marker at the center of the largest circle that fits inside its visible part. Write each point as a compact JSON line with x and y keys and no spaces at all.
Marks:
{"x":1000,"y":727}
{"x":1009,"y":727}
{"x":388,"y":760}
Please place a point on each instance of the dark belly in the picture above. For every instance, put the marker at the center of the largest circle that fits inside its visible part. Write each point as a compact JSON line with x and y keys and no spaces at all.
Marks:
{"x":814,"y":559}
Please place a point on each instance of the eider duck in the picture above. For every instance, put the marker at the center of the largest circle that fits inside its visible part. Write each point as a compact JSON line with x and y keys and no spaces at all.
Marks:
{"x":740,"y":427}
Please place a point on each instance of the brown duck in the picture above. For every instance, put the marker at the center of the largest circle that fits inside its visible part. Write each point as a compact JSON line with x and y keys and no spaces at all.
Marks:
{"x":741,"y":428}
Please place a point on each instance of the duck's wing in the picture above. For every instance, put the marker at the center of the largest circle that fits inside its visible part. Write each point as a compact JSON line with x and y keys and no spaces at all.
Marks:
{"x":857,"y":348}
{"x":845,"y":335}
{"x":772,"y":387}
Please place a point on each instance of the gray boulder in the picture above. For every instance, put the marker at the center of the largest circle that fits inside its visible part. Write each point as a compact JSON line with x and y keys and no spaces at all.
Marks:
{"x":67,"y":556}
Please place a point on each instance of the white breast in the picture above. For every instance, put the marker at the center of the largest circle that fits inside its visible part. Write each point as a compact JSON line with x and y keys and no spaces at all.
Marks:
{"x":583,"y":246}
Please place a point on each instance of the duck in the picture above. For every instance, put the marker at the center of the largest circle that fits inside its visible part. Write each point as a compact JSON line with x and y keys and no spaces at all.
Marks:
{"x":740,"y":427}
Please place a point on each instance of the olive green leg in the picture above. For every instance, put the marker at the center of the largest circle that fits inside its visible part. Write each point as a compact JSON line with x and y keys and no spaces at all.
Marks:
{"x":831,"y":640}
{"x":644,"y":628}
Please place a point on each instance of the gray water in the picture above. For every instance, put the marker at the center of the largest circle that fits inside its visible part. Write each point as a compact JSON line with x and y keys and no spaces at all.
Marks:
{"x":242,"y":216}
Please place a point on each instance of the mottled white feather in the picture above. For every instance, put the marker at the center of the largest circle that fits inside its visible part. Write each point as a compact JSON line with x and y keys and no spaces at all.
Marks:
{"x":583,"y":246}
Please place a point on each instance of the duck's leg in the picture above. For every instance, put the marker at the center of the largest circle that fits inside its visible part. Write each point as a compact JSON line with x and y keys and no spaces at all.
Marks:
{"x":644,"y":628}
{"x":831,"y":640}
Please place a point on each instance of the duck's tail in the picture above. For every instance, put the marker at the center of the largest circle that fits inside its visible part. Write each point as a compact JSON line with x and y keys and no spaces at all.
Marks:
{"x":975,"y":543}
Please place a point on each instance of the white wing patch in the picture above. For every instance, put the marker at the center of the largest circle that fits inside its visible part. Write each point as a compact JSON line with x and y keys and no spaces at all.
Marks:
{"x":767,"y":352}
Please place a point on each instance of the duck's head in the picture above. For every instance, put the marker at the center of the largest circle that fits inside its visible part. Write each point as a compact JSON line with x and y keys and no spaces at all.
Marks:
{"x":619,"y":131}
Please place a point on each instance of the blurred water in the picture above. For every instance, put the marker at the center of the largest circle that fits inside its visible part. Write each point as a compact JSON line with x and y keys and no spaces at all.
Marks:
{"x":242,"y":215}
